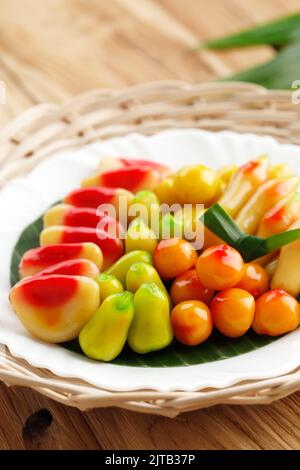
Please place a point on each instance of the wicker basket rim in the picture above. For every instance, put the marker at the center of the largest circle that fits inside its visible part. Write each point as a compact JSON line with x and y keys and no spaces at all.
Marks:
{"x":145,"y":108}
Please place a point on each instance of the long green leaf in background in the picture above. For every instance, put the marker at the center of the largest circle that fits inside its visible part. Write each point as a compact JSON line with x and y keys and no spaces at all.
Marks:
{"x":275,"y":33}
{"x":278,"y":73}
{"x":216,"y":348}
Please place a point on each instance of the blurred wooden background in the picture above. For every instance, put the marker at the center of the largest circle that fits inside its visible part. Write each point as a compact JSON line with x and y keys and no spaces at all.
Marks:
{"x":53,"y":49}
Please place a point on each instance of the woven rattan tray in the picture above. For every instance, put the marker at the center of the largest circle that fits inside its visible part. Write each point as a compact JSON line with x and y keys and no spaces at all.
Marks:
{"x":147,"y":109}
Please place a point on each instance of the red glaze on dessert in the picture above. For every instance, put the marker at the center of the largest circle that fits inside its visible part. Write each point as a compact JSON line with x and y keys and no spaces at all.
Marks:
{"x":54,"y":308}
{"x":73,"y":267}
{"x":48,"y":291}
{"x":132,"y":178}
{"x":37,"y":259}
{"x":112,"y":247}
{"x":220,"y":267}
{"x":65,"y":214}
{"x":91,"y":197}
{"x":146,"y":163}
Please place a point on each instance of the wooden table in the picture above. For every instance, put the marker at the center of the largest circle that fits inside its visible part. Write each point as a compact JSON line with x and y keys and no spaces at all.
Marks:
{"x":53,"y":49}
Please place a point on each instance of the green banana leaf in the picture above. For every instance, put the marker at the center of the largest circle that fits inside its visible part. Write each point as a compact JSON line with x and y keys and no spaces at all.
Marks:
{"x":216,"y":348}
{"x":276,"y":33}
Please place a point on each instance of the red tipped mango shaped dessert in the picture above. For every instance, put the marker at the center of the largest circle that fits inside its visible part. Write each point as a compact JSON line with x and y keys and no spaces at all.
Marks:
{"x":95,"y":196}
{"x":55,"y":308}
{"x":132,"y":178}
{"x":111,"y":247}
{"x":220,"y":267}
{"x":65,"y":214}
{"x":38,"y":259}
{"x":72,"y":267}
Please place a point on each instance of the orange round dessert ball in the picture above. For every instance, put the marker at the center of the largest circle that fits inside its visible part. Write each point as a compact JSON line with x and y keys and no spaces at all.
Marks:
{"x":233,"y":312}
{"x":192,"y":322}
{"x":174,"y":256}
{"x":187,"y":286}
{"x":255,"y":280}
{"x":220,"y":267}
{"x":276,"y":313}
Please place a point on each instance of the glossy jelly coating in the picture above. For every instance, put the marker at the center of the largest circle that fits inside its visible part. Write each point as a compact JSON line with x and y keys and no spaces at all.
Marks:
{"x":233,"y":312}
{"x":195,"y":184}
{"x":54,"y":308}
{"x":139,"y":273}
{"x":192,"y":322}
{"x":151,"y":328}
{"x":105,"y":335}
{"x":173,"y":256}
{"x":112,"y":247}
{"x":220,"y":267}
{"x":165,"y":191}
{"x":187,"y":286}
{"x":108,"y":285}
{"x":255,"y":280}
{"x":37,"y":259}
{"x":276,"y":313}
{"x":72,"y":267}
{"x":119,"y":268}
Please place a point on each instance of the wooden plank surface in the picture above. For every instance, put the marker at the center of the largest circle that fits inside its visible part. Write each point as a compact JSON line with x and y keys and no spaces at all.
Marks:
{"x":53,"y":49}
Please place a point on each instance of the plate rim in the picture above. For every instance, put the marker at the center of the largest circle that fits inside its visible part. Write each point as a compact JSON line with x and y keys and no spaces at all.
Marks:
{"x":287,"y":368}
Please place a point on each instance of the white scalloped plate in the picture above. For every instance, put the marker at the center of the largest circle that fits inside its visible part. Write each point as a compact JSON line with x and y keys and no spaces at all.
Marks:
{"x":27,"y":198}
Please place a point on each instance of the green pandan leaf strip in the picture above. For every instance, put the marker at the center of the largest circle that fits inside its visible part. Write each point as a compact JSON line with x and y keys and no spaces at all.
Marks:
{"x":221,"y":224}
{"x":250,"y":247}
{"x":278,"y":241}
